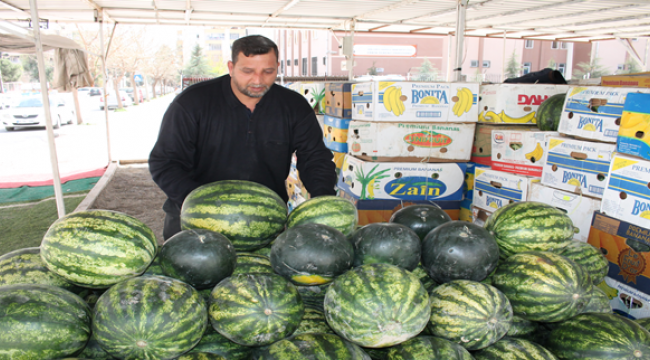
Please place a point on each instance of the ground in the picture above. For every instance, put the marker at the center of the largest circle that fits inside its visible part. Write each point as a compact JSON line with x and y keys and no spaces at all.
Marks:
{"x":132,"y":191}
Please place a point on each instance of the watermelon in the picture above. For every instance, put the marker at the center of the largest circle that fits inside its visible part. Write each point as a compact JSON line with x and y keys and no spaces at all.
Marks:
{"x":198,"y":257}
{"x":459,"y":250}
{"x":645,"y":322}
{"x":25,"y":266}
{"x":549,"y":112}
{"x":329,"y":210}
{"x":469,"y":313}
{"x":514,"y":348}
{"x":377,"y":305}
{"x":521,"y":327}
{"x":529,"y":226}
{"x":98,"y":248}
{"x":250,"y":263}
{"x":313,"y":346}
{"x":265,"y":251}
{"x":426,"y":280}
{"x":201,"y":356}
{"x":421,"y":218}
{"x":94,"y":351}
{"x":543,"y":286}
{"x":149,"y":317}
{"x":313,"y":296}
{"x":430,"y":348}
{"x":313,"y":322}
{"x":255,"y":309}
{"x":41,"y":322}
{"x":598,"y":336}
{"x":589,"y":257}
{"x":389,"y":243}
{"x":249,"y":214}
{"x":215,"y":343}
{"x":311,"y":254}
{"x":598,"y":301}
{"x":155,"y":268}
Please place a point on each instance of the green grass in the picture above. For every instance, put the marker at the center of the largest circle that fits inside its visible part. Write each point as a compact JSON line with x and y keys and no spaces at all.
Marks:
{"x":24,"y":226}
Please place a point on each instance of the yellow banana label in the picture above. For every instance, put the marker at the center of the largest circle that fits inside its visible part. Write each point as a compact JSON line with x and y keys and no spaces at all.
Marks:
{"x":384,"y":84}
{"x":553,"y":143}
{"x":620,"y":163}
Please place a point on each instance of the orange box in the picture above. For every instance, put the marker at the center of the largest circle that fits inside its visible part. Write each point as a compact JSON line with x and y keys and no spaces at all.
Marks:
{"x":634,"y":80}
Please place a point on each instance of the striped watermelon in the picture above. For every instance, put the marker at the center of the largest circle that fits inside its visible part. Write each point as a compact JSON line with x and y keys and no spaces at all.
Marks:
{"x":644,"y":322}
{"x":313,"y":346}
{"x":149,"y":317}
{"x":543,"y":286}
{"x":426,"y":280}
{"x":313,"y":322}
{"x":94,"y":351}
{"x":201,"y":356}
{"x":329,"y":210}
{"x":598,"y":301}
{"x":469,"y":313}
{"x":98,"y":248}
{"x":25,"y":266}
{"x":589,"y":257}
{"x":529,"y":226}
{"x":377,"y":305}
{"x":215,"y":343}
{"x":515,"y":349}
{"x":41,"y":322}
{"x":549,"y":113}
{"x":247,"y":213}
{"x":255,"y":309}
{"x":313,"y":296}
{"x":521,"y":327}
{"x":249,"y":263}
{"x":598,"y":336}
{"x":430,"y":348}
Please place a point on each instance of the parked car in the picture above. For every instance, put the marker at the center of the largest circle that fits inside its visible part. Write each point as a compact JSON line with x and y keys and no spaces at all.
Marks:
{"x":129,"y":92}
{"x":94,"y":91}
{"x":111,"y":100}
{"x":28,"y":111}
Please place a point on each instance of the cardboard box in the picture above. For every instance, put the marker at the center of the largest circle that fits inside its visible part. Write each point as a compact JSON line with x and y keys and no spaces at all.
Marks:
{"x":338,"y":99}
{"x":628,"y":80}
{"x":465,"y":213}
{"x":480,"y":216}
{"x":626,"y":247}
{"x":494,"y":189}
{"x":519,"y":151}
{"x":514,"y":103}
{"x":627,"y":195}
{"x":482,"y":147}
{"x":338,"y":159}
{"x":415,"y":101}
{"x":411,"y":142}
{"x":402,"y":181}
{"x":577,"y":166}
{"x":579,"y":208}
{"x":594,"y":112}
{"x":634,"y":132}
{"x":626,"y":300}
{"x":335,"y":133}
{"x":468,"y":187}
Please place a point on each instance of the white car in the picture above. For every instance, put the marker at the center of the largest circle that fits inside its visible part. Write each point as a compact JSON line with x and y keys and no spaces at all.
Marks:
{"x":28,"y":111}
{"x":111,"y":100}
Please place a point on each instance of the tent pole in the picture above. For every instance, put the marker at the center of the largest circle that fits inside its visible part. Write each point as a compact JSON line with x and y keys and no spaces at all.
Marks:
{"x":103,"y":56}
{"x":460,"y":37}
{"x":58,"y":193}
{"x":351,"y":58}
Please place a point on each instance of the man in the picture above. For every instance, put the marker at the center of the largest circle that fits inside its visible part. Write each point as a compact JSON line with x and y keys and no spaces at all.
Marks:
{"x":240,"y":126}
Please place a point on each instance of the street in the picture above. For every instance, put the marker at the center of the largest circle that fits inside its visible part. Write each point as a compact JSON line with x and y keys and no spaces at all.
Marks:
{"x":25,"y":157}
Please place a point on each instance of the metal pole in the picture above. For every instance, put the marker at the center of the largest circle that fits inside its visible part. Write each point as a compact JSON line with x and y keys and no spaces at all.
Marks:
{"x":503,"y":70}
{"x":449,"y":62}
{"x":58,"y":193}
{"x":103,"y":56}
{"x":351,"y":59}
{"x":460,"y":37}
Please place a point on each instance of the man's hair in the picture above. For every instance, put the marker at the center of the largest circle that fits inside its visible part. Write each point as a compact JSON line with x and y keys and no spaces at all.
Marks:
{"x":253,"y":45}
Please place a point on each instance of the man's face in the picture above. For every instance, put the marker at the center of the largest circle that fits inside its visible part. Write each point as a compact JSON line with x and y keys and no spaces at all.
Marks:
{"x":254,"y":75}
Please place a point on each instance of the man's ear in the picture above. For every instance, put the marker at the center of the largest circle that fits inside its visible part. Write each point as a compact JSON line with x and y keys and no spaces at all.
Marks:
{"x":231,"y":66}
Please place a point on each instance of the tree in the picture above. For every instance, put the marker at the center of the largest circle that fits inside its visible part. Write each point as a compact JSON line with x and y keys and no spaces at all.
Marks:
{"x":10,"y":71}
{"x":630,"y":67}
{"x":426,"y":72}
{"x":198,"y":65}
{"x":373,"y":69}
{"x":588,"y":70}
{"x":30,"y":66}
{"x":552,"y":64}
{"x":162,"y":67}
{"x":512,"y":67}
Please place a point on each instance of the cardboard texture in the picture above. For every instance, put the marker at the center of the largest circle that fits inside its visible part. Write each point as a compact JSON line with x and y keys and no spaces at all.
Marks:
{"x":338,"y":99}
{"x":514,"y":103}
{"x":494,"y":189}
{"x":335,"y":133}
{"x":628,"y":80}
{"x":519,"y":151}
{"x":482,"y":147}
{"x":627,"y":195}
{"x":594,"y":112}
{"x":415,"y":101}
{"x":410,"y":142}
{"x":480,"y":216}
{"x":402,"y":181}
{"x":634,"y":133}
{"x":577,"y":166}
{"x":626,"y":300}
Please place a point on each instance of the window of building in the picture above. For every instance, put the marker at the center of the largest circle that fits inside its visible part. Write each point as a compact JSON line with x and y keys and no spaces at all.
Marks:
{"x":564,"y":45}
{"x":527,"y":67}
{"x":486,"y":63}
{"x":288,"y":62}
{"x":620,"y":67}
{"x":304,"y":67}
{"x":528,"y":44}
{"x":234,"y":36}
{"x":473,"y":63}
{"x":561,"y":68}
{"x":555,"y":44}
{"x":216,"y":36}
{"x":282,"y":67}
{"x":295,"y":62}
{"x":314,"y":66}
{"x":324,"y":60}
{"x":214,"y":47}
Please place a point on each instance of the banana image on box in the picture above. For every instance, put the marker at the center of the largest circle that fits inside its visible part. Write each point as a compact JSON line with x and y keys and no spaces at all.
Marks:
{"x":393,"y":100}
{"x":464,"y":103}
{"x":536,"y":154}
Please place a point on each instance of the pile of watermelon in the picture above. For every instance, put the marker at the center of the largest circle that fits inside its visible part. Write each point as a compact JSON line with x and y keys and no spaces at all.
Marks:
{"x":245,"y":280}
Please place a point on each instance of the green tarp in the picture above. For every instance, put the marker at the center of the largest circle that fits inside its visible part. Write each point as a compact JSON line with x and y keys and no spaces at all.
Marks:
{"x":27,"y":193}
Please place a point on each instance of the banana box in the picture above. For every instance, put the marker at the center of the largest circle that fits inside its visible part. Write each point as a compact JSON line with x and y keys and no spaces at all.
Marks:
{"x":627,"y":195}
{"x":338,"y":99}
{"x":482,"y":146}
{"x":465,"y":213}
{"x":314,"y":92}
{"x":480,"y":216}
{"x":494,"y":189}
{"x":402,"y":181}
{"x":626,"y":247}
{"x":579,"y":208}
{"x":411,"y":142}
{"x":415,"y":101}
{"x":519,"y":151}
{"x":468,"y":187}
{"x":335,"y":133}
{"x":514,"y":103}
{"x":626,"y":300}
{"x":628,"y":80}
{"x":577,"y":166}
{"x":634,"y":133}
{"x":338,"y":159}
{"x":594,"y":112}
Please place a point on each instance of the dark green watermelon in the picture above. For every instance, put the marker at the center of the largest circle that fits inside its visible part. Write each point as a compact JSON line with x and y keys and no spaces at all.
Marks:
{"x":388,"y":243}
{"x":429,"y":348}
{"x":25,"y":266}
{"x":311,"y":254}
{"x":549,"y":112}
{"x":421,"y":218}
{"x":459,"y":250}
{"x":215,"y":343}
{"x":313,"y":346}
{"x":514,"y":348}
{"x":198,"y":257}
